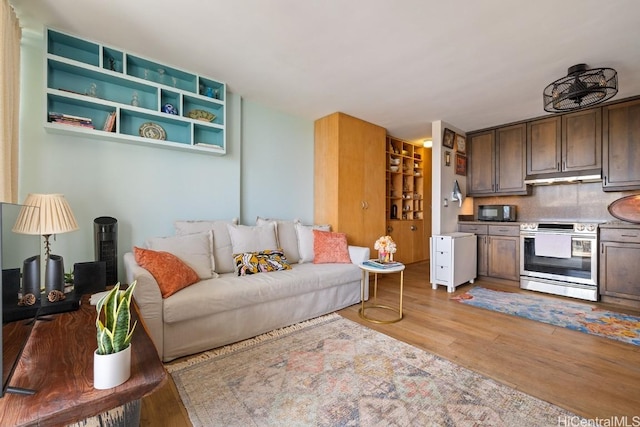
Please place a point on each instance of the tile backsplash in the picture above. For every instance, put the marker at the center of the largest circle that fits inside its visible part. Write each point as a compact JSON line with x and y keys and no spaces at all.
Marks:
{"x":559,"y":202}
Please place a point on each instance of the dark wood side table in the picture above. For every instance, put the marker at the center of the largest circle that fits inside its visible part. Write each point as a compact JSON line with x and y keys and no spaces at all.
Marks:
{"x":57,"y":363}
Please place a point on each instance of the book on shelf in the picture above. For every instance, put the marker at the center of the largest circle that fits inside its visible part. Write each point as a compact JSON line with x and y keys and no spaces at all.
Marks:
{"x":378,"y":264}
{"x":68,"y":117}
{"x":109,"y":124}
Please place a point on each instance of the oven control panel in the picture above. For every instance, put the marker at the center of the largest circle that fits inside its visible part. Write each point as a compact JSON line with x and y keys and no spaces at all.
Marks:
{"x":560,"y":227}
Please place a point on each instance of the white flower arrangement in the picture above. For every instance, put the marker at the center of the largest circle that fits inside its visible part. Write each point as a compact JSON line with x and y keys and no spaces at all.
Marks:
{"x":385,"y":244}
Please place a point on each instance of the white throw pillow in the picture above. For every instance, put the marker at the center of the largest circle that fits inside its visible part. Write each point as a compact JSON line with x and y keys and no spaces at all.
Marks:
{"x":305,"y":240}
{"x":195,"y":250}
{"x":222,"y":251}
{"x":287,"y":237}
{"x":258,"y":238}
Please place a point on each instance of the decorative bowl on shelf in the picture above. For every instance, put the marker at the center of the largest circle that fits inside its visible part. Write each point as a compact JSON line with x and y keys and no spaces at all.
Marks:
{"x":394,"y":161}
{"x":203,"y":115}
{"x":169,"y":109}
{"x":405,"y":152}
{"x":393,"y":168}
{"x":152,"y":131}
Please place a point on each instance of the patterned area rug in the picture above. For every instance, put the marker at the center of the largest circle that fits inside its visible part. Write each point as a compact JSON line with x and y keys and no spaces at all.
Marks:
{"x":334,"y":372}
{"x":566,"y":312}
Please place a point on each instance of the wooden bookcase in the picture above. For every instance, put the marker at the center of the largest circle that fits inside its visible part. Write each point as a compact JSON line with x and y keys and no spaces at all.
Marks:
{"x":405,"y":180}
{"x":405,"y":198}
{"x":90,"y":82}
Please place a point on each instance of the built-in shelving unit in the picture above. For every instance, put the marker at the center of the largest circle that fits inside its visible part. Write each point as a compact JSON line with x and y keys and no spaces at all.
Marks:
{"x":405,"y":180}
{"x":99,"y":91}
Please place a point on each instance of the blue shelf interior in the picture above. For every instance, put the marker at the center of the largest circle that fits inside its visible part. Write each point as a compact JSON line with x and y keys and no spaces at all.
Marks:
{"x":73,"y":48}
{"x":193,"y":103}
{"x":96,"y":112}
{"x":177,"y":131}
{"x":112,"y":59}
{"x":109,"y":87}
{"x":158,"y":73}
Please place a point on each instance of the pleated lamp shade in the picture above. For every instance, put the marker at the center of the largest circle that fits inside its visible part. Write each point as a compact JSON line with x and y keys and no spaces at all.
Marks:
{"x":52,"y":216}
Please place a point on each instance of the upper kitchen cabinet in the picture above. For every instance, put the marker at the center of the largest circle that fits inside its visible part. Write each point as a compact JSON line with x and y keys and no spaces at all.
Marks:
{"x":350,"y":177}
{"x":565,"y":145}
{"x":621,"y":147}
{"x":497,"y":162}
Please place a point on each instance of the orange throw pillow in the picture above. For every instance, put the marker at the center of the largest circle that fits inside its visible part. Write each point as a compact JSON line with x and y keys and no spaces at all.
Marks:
{"x":330,"y":247}
{"x":169,"y":271}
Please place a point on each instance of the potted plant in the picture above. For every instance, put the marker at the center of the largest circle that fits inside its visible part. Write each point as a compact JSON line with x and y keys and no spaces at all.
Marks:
{"x":112,"y":359}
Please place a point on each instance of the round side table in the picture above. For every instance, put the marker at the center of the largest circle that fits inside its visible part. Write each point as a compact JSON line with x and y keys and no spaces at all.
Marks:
{"x":379,"y":270}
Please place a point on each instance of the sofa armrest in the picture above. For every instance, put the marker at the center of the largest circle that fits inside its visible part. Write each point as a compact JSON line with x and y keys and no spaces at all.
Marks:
{"x":148,"y":299}
{"x":358,"y":254}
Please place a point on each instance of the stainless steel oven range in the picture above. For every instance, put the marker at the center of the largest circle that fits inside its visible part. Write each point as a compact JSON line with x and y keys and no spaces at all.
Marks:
{"x":560,"y":258}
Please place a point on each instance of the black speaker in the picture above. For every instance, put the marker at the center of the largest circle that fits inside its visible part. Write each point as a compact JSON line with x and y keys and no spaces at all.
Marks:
{"x":31,"y":276}
{"x":89,"y":277}
{"x":54,"y":274}
{"x":10,"y":285}
{"x":106,"y":245}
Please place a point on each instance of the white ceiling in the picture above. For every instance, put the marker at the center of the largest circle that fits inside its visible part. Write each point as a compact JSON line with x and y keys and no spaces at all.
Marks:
{"x":400,"y":64}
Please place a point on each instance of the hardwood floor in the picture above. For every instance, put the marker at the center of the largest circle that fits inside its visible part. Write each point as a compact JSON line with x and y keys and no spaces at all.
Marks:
{"x":591,"y":376}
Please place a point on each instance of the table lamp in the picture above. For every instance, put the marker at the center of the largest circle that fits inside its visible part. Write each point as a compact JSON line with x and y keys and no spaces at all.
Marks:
{"x":53,"y":216}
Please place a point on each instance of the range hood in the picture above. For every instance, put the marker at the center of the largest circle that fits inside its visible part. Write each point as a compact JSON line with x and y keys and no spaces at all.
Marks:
{"x":563,"y":179}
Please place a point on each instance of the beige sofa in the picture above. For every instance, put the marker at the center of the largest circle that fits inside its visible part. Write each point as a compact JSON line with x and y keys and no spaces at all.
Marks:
{"x":224,"y":307}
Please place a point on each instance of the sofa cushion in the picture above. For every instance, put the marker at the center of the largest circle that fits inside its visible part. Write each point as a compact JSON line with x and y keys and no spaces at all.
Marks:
{"x":330,"y":247}
{"x":195,"y":250}
{"x":246,"y":238}
{"x":287,"y":237}
{"x":229,"y":291}
{"x":260,"y":262}
{"x":169,"y":271}
{"x":305,"y":240}
{"x":222,"y":251}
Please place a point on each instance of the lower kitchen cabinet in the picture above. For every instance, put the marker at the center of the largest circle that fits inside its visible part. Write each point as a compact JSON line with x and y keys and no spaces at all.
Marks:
{"x":619,"y":266}
{"x":498,"y":250}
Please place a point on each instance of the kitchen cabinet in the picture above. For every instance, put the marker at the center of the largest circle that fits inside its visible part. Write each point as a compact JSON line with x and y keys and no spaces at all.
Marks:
{"x":582,"y":142}
{"x":498,"y":249}
{"x":410,"y":238}
{"x":104,"y":93}
{"x":497,"y":162}
{"x":619,"y":266}
{"x":453,"y":257}
{"x":349,"y":184}
{"x":565,"y":145}
{"x":621,"y":147}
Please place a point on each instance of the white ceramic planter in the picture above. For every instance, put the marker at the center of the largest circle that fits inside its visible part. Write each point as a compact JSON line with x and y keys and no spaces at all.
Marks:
{"x":110,"y":370}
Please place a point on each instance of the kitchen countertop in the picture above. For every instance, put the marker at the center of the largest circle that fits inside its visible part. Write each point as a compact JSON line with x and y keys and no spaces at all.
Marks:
{"x":513,"y":223}
{"x":619,"y":224}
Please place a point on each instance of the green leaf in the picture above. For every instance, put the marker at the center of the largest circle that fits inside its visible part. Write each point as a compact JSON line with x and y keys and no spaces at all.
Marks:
{"x":114,"y":309}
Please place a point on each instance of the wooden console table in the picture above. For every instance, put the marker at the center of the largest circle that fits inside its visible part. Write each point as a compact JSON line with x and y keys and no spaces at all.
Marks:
{"x":57,"y":362}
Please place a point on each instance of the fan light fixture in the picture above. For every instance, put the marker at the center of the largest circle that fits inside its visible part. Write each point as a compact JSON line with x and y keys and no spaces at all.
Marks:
{"x":580,"y":88}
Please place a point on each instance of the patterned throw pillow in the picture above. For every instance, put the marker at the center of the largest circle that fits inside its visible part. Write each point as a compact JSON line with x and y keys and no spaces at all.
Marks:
{"x":259,"y":262}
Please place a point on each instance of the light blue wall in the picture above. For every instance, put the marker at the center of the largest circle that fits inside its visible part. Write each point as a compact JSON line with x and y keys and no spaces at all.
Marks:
{"x":146,"y":188}
{"x":277,"y":165}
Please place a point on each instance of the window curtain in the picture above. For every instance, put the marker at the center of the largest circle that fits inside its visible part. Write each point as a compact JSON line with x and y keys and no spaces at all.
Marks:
{"x":10,"y":34}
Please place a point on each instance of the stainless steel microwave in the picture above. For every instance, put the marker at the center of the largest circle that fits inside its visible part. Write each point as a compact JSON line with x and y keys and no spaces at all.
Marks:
{"x":496,"y":213}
